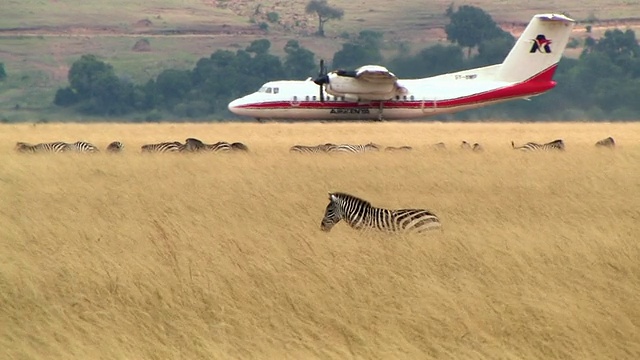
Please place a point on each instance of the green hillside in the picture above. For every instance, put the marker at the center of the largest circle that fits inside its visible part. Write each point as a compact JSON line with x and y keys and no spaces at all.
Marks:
{"x":40,"y":39}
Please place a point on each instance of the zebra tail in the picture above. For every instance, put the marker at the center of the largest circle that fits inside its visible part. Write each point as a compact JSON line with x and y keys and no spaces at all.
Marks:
{"x":513,"y":145}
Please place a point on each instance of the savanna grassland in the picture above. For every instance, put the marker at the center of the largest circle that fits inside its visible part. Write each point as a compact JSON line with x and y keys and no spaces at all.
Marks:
{"x":210,"y":256}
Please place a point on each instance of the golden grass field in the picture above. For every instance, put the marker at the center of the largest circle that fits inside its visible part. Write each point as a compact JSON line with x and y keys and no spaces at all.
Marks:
{"x":217,"y":256}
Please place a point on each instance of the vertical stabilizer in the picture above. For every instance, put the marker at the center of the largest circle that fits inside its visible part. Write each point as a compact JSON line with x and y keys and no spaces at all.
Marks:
{"x":539,"y":48}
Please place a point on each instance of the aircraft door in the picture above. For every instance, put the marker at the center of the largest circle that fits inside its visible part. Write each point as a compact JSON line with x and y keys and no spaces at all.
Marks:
{"x":429,"y":105}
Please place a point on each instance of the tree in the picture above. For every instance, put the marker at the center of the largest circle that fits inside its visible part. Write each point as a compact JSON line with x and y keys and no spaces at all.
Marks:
{"x":299,"y":63}
{"x":364,"y":50}
{"x":325,"y":13}
{"x":3,"y":74}
{"x":470,"y":26}
{"x":84,"y":74}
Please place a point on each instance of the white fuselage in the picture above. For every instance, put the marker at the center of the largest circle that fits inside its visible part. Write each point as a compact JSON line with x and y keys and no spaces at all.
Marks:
{"x":441,"y":94}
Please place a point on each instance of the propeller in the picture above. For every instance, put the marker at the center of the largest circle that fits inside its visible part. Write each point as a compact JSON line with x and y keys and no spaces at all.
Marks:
{"x":322,"y":79}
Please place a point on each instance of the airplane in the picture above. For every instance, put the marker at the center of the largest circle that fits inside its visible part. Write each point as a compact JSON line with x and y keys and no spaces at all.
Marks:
{"x":372,"y":92}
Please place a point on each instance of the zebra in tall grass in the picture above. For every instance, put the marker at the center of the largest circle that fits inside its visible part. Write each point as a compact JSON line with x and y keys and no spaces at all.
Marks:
{"x":398,"y":148}
{"x":348,"y":148}
{"x":304,"y":149}
{"x":52,"y":147}
{"x":83,"y":147}
{"x":531,"y":146}
{"x":467,"y":146}
{"x":163,"y":147}
{"x":439,"y":146}
{"x":360,"y":214}
{"x":238,"y":146}
{"x":195,"y":145}
{"x":608,"y":142}
{"x":115,"y":147}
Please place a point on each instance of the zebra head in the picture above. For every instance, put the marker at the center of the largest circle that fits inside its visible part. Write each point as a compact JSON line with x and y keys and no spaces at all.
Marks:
{"x":238,"y":146}
{"x":192,"y":145}
{"x":372,"y":147}
{"x":332,"y":215}
{"x":22,"y":147}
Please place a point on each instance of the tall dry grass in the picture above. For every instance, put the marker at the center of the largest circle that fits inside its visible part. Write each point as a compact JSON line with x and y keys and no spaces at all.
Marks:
{"x":220,"y":256}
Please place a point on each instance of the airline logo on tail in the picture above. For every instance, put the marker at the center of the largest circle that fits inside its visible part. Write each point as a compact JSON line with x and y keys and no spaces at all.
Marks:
{"x":541,"y":44}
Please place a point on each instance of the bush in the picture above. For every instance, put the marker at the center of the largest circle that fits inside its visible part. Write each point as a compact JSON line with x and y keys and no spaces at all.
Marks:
{"x":273,"y":17}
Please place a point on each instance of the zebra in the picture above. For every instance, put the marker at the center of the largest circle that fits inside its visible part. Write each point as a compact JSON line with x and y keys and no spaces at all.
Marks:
{"x":163,"y":147}
{"x":238,"y":146}
{"x":54,"y":147}
{"x":193,"y":145}
{"x":360,"y":214}
{"x":477,"y":148}
{"x":439,"y":146}
{"x":115,"y":147}
{"x":608,"y":142}
{"x":304,"y":149}
{"x":83,"y":147}
{"x":531,"y":146}
{"x":398,"y":148}
{"x":348,"y":148}
{"x":220,"y":146}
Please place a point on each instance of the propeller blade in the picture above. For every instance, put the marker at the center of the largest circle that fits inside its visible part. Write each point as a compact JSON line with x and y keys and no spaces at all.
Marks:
{"x":321,"y":79}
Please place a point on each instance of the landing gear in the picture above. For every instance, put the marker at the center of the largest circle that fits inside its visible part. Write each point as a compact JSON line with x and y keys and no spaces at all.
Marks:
{"x":380,"y":108}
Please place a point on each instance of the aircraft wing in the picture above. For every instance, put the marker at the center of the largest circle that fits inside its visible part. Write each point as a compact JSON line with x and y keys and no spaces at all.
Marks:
{"x":375,"y":74}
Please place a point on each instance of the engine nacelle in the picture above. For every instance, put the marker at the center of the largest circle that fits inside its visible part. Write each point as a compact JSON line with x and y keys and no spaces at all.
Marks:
{"x":363,"y":90}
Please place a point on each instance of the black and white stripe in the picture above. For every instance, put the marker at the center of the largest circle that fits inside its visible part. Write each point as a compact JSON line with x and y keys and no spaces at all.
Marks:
{"x":195,"y":145}
{"x":556,"y":145}
{"x":163,"y":147}
{"x":83,"y":147}
{"x":608,"y":142}
{"x":52,"y":147}
{"x":115,"y":147}
{"x":360,"y":214}
{"x":304,"y":149}
{"x":348,"y":148}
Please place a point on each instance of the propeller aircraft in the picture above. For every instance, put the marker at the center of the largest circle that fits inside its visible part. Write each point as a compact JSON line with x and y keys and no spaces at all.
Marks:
{"x":372,"y":92}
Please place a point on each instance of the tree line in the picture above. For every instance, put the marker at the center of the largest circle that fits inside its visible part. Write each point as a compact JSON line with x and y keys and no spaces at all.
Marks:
{"x":602,"y":83}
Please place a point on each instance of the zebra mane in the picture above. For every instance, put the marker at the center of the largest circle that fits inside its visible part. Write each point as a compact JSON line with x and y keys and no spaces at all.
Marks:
{"x":345,"y":196}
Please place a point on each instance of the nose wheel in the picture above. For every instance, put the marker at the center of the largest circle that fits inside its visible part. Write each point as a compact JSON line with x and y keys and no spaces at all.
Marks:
{"x":380,"y":108}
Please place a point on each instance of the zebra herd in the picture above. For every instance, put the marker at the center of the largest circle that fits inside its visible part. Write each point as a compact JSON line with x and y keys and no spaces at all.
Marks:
{"x":60,"y":147}
{"x":356,"y":212}
{"x":193,"y":145}
{"x":190,"y":145}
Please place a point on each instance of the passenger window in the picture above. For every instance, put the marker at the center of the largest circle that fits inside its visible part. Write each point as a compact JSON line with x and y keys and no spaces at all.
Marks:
{"x":314,"y":98}
{"x":404,"y":97}
{"x":397,"y":97}
{"x":411,"y":97}
{"x":295,"y":98}
{"x":268,"y":90}
{"x":276,"y":90}
{"x":307,"y":98}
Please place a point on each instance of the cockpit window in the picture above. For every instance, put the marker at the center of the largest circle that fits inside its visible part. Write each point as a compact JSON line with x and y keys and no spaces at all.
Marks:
{"x":276,"y":90}
{"x":268,"y":90}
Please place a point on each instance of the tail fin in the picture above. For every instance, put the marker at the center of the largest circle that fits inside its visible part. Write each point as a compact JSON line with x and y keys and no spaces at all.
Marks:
{"x":538,"y":49}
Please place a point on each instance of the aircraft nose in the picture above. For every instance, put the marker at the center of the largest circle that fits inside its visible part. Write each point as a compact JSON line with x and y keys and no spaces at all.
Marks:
{"x":233,"y":106}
